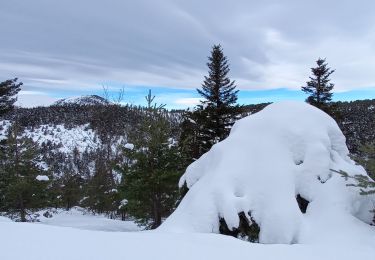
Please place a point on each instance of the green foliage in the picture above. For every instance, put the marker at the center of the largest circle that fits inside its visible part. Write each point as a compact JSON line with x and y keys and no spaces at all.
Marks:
{"x":8,"y":92}
{"x":365,"y":183}
{"x":247,"y":229}
{"x":19,"y":189}
{"x":366,"y":158}
{"x":151,"y":171}
{"x":211,"y":121}
{"x":319,"y":87}
{"x":101,"y":187}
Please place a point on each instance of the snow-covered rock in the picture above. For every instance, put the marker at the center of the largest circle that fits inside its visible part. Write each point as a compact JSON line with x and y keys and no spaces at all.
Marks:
{"x":129,"y":146}
{"x":42,"y":178}
{"x":287,"y":149}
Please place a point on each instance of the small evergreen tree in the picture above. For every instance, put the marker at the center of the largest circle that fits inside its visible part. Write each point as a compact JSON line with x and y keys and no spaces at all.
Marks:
{"x":101,"y":190}
{"x":319,"y":87}
{"x":152,"y":170}
{"x":8,"y":92}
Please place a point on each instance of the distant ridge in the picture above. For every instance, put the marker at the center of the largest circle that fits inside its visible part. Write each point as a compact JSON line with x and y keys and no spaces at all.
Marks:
{"x":89,"y":100}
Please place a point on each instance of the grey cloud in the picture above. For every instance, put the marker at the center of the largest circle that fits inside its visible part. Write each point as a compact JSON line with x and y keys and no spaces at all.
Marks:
{"x":269,"y":43}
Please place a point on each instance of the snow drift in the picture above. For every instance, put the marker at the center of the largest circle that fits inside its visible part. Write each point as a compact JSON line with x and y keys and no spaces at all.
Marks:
{"x":287,"y":149}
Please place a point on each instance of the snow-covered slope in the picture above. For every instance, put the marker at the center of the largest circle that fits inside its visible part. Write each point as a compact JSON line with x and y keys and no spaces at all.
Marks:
{"x":289,"y":148}
{"x":82,"y":100}
{"x":81,"y":137}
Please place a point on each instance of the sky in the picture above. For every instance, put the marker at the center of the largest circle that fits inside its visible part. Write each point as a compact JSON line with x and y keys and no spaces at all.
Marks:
{"x":64,"y":48}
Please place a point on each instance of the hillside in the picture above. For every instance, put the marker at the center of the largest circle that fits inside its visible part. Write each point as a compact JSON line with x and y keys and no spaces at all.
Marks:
{"x":78,"y":143}
{"x":84,"y":124}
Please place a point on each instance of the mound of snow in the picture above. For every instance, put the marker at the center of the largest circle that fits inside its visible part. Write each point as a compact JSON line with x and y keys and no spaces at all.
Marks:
{"x":287,"y":149}
{"x":42,"y":178}
{"x":89,"y":100}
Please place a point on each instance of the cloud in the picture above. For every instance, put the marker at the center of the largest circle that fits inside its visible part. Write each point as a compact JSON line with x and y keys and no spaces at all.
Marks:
{"x":30,"y":99}
{"x":81,"y":45}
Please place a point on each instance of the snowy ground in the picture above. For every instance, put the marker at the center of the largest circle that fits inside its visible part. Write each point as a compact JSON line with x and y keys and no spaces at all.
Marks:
{"x":81,"y":219}
{"x":19,"y":241}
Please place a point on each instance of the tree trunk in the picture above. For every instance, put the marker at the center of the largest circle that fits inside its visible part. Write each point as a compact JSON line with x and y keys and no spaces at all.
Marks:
{"x":22,"y":209}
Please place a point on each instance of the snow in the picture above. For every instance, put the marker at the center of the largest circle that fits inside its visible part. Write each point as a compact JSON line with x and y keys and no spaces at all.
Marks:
{"x":82,"y":219}
{"x":5,"y":219}
{"x":129,"y":146}
{"x":20,"y":241}
{"x":289,"y":148}
{"x":42,"y":178}
{"x":82,"y":100}
{"x":67,"y":139}
{"x":123,"y":203}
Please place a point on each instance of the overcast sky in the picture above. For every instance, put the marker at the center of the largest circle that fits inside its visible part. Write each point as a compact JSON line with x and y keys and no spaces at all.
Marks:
{"x":60,"y":48}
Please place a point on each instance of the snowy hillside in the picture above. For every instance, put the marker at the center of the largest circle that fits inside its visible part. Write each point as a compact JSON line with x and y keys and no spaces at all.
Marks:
{"x":288,"y":150}
{"x":82,"y":100}
{"x":81,"y":137}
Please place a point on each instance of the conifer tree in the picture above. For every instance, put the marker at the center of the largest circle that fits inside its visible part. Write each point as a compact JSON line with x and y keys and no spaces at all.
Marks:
{"x":366,"y":158}
{"x":211,"y":121}
{"x":319,"y":88}
{"x":20,"y":189}
{"x":152,"y":170}
{"x":8,"y":92}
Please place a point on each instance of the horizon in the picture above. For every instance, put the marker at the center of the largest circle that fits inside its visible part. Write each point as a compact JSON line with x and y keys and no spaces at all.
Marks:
{"x":185,"y":98}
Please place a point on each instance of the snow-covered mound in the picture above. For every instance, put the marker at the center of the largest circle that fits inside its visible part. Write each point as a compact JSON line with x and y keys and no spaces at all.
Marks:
{"x":83,"y":100}
{"x":287,"y":149}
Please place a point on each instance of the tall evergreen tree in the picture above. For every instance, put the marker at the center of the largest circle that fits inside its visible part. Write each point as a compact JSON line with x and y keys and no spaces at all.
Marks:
{"x":319,"y":88}
{"x":8,"y":92}
{"x":211,"y":121}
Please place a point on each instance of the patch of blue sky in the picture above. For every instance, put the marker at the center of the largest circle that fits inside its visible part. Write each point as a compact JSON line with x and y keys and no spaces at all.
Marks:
{"x":178,"y":98}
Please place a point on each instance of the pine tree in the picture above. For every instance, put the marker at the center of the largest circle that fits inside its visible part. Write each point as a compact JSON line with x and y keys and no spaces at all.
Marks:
{"x":319,"y":87}
{"x":152,"y":170}
{"x":8,"y":92}
{"x":101,"y":190}
{"x":20,"y":190}
{"x":366,"y":158}
{"x":211,"y":121}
